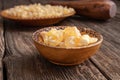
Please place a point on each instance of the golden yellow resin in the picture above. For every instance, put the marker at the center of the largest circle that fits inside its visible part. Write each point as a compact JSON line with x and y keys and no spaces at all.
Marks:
{"x":67,"y":38}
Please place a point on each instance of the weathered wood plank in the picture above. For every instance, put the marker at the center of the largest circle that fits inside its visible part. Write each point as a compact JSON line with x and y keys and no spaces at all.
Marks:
{"x":1,"y":45}
{"x":22,"y":60}
{"x":108,"y":58}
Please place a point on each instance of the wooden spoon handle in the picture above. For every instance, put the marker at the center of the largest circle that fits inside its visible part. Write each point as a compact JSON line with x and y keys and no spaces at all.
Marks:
{"x":97,"y":9}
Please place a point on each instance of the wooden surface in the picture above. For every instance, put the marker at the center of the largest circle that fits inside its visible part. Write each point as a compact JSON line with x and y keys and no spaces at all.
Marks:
{"x":2,"y":45}
{"x":20,"y":60}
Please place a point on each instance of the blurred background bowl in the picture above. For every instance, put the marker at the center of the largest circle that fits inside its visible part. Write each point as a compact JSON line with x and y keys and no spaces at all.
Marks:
{"x":38,"y":21}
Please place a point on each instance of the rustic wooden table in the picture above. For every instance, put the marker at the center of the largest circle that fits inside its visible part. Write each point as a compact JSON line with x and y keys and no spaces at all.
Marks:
{"x":20,"y":60}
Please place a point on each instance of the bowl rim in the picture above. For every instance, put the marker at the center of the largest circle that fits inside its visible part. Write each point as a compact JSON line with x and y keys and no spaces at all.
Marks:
{"x":81,"y":47}
{"x":4,"y":15}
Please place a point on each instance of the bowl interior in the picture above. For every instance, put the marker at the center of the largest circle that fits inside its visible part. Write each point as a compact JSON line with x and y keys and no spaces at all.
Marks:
{"x":3,"y":14}
{"x":89,"y":31}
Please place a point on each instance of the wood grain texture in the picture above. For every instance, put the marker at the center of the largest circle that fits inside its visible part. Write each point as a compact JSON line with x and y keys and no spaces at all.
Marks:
{"x":108,"y":58}
{"x":22,"y":60}
{"x":2,"y":47}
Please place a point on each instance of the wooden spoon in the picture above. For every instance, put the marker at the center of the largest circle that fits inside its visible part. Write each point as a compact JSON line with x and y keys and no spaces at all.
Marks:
{"x":97,"y":9}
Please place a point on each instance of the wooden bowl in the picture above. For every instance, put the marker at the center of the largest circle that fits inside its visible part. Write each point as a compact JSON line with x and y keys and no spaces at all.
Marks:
{"x":38,"y":21}
{"x":67,"y":56}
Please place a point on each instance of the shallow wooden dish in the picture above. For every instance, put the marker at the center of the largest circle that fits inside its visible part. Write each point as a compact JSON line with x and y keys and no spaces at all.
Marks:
{"x":38,"y":21}
{"x":67,"y":56}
